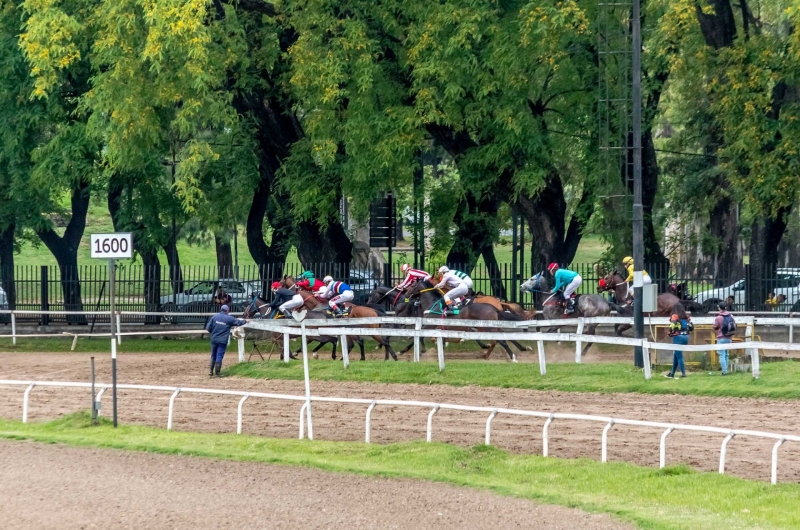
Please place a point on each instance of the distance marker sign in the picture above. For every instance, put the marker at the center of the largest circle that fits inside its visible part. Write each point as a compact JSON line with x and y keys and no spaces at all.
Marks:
{"x":112,"y":246}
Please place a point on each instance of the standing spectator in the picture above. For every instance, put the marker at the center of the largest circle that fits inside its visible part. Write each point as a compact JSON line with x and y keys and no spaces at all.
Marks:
{"x":680,"y":325}
{"x":730,"y":303}
{"x":771,"y":302}
{"x":219,"y":328}
{"x":222,"y":298}
{"x":725,"y":329}
{"x":780,"y":299}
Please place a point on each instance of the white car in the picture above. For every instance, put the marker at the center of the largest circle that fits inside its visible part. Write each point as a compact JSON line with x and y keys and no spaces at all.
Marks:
{"x":3,"y":299}
{"x":786,"y":285}
{"x":199,"y":297}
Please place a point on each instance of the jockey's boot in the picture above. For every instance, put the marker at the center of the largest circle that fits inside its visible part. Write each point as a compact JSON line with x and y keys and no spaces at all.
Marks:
{"x":337,"y":312}
{"x":570,"y":306}
{"x":287,"y":313}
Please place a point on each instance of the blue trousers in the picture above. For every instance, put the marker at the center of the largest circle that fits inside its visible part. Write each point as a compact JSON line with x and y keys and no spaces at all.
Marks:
{"x":723,"y":355}
{"x":217,"y":352}
{"x":677,"y":357}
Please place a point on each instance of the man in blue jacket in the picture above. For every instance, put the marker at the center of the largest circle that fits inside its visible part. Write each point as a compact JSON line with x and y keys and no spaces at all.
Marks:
{"x":219,"y":328}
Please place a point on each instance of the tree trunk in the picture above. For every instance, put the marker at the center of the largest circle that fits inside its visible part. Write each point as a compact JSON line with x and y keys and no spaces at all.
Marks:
{"x":724,"y":228}
{"x":545,"y":213}
{"x":476,"y":230}
{"x":495,"y":277}
{"x":7,"y":267}
{"x":174,"y":263}
{"x":652,"y":248}
{"x":323,"y":246}
{"x":222,"y":243}
{"x":765,"y":237}
{"x":65,"y":250}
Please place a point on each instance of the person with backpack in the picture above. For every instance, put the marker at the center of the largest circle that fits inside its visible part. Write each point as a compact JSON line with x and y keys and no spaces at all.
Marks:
{"x":725,"y":329}
{"x":680,"y":325}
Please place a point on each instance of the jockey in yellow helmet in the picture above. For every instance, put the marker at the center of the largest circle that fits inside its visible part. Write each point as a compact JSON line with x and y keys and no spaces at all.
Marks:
{"x":628,"y":262}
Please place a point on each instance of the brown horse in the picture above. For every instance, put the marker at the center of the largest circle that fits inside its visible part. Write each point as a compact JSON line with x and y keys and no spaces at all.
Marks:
{"x":362,"y":311}
{"x":665,"y":302}
{"x":429,"y":297}
{"x":262,"y":308}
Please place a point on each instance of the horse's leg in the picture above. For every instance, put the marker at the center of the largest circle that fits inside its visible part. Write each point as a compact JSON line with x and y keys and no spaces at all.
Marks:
{"x":520,"y":347}
{"x":490,"y":350}
{"x":360,"y":341}
{"x":335,"y":343}
{"x":511,"y":355}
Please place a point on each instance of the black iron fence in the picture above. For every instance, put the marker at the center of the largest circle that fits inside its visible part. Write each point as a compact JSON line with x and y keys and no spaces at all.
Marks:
{"x":191,"y":289}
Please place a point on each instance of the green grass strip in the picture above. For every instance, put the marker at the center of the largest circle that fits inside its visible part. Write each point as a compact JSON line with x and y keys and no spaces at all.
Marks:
{"x":675,"y":497}
{"x":778,"y":380}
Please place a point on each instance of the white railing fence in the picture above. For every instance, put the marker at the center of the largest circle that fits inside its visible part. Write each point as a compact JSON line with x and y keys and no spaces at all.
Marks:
{"x":304,"y":415}
{"x":418,"y":329}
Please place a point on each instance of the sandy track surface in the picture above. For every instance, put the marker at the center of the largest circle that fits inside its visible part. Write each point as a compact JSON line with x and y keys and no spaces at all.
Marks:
{"x":46,"y":486}
{"x":747,"y":457}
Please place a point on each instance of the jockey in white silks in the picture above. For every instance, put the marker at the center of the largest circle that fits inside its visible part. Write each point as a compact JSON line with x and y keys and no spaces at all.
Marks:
{"x":337,"y":293}
{"x":457,"y":284}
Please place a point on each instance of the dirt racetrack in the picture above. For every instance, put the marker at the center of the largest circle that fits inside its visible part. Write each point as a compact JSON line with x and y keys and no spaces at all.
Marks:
{"x":47,"y":486}
{"x":747,"y":457}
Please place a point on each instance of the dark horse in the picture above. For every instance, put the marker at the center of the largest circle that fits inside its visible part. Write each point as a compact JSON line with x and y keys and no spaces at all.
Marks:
{"x":406,"y":307}
{"x":430,"y":299}
{"x":666,"y":301}
{"x":261,"y":307}
{"x":587,"y":305}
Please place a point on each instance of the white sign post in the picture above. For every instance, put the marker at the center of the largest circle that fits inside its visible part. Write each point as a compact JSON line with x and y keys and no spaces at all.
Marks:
{"x":112,"y":247}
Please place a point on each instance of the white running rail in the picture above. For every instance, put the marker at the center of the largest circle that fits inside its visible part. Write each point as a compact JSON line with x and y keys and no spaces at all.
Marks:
{"x":493,"y":412}
{"x":517,"y":331}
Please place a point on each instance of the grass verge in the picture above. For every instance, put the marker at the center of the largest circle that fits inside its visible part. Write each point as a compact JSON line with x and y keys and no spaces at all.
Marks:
{"x":675,"y":497}
{"x":778,"y":380}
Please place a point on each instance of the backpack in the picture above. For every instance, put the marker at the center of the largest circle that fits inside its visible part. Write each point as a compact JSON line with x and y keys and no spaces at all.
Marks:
{"x":728,"y":326}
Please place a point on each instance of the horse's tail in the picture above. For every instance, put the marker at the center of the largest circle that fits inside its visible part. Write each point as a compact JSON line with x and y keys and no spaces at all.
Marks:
{"x":511,"y":317}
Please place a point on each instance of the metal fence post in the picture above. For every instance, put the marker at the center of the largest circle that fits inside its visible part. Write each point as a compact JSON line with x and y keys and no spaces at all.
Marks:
{"x":440,"y":351}
{"x":417,"y":339}
{"x":345,"y":352}
{"x":13,"y":328}
{"x":286,"y":348}
{"x":45,"y":303}
{"x":578,"y":343}
{"x":542,"y":366}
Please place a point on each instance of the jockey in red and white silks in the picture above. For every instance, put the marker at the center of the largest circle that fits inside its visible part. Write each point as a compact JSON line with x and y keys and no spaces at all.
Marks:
{"x":412,"y":276}
{"x":456,"y":282}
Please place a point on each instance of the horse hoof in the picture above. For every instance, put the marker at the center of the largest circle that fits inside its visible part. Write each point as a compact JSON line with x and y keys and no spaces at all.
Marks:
{"x":514,"y":359}
{"x":316,"y":356}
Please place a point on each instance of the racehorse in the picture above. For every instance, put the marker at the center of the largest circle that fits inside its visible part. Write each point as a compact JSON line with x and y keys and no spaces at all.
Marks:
{"x":262,"y":308}
{"x":403,"y":307}
{"x":586,"y":305}
{"x":363,"y":311}
{"x":665,"y":301}
{"x":432,"y":301}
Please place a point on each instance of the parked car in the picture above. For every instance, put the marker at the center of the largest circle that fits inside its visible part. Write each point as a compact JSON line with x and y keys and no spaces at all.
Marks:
{"x":3,"y":299}
{"x":362,"y":282}
{"x":786,"y":284}
{"x":199,"y":297}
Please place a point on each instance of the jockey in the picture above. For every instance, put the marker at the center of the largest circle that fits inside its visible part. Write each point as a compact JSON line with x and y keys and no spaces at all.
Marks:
{"x":412,"y":276}
{"x":567,"y":280}
{"x":646,"y":280}
{"x":284,"y":299}
{"x":309,"y":283}
{"x":457,"y":283}
{"x":336,"y":292}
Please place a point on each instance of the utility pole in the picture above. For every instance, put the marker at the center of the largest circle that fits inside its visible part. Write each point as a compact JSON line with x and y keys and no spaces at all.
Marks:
{"x":638,"y":210}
